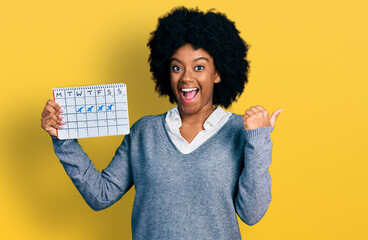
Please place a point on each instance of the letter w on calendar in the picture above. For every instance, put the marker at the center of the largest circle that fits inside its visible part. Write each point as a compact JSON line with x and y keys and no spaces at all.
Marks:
{"x":93,"y":111}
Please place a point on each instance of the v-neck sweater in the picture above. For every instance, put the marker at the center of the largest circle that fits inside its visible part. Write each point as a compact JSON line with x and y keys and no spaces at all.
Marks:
{"x":180,"y":196}
{"x":213,"y":123}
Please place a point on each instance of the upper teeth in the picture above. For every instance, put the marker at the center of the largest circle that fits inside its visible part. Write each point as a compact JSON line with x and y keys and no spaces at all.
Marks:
{"x":188,"y":89}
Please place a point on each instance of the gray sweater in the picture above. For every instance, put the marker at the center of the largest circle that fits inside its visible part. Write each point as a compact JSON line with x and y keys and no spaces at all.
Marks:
{"x":180,"y":196}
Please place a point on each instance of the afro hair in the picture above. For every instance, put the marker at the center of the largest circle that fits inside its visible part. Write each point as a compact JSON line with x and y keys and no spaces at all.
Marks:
{"x":211,"y":31}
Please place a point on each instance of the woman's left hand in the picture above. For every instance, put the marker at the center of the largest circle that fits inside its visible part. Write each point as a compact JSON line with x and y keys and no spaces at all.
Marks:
{"x":257,"y":117}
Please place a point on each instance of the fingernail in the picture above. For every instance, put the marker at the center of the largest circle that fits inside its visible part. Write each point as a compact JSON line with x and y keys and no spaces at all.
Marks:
{"x":62,"y":122}
{"x":60,"y":116}
{"x":61,"y":110}
{"x":60,"y":127}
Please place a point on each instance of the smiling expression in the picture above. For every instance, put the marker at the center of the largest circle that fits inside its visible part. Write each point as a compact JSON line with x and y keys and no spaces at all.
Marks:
{"x":192,"y":77}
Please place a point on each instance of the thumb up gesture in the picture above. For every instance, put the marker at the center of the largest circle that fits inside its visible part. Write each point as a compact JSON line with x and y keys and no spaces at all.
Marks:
{"x":257,"y":117}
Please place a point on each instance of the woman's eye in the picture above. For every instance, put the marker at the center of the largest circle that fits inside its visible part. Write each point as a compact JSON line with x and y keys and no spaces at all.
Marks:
{"x":176,"y":68}
{"x":199,"y":68}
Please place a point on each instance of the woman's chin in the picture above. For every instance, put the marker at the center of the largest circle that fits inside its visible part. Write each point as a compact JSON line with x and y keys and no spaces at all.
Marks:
{"x":188,"y":110}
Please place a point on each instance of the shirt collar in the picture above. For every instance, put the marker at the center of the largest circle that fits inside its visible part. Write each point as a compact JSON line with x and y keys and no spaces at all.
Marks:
{"x":174,"y":121}
{"x":214,"y":119}
{"x":173,"y":118}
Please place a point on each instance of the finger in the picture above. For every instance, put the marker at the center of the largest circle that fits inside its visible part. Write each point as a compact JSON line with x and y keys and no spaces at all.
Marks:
{"x":50,"y":129}
{"x":45,"y":123}
{"x":260,"y":111}
{"x":244,"y":117}
{"x":54,"y":105}
{"x":260,"y":108}
{"x":255,"y":109}
{"x":51,"y":126}
{"x":274,"y":117}
{"x":54,"y":124}
{"x":59,"y":119}
{"x":263,"y":111}
{"x":249,"y":113}
{"x":49,"y":109}
{"x":52,"y":115}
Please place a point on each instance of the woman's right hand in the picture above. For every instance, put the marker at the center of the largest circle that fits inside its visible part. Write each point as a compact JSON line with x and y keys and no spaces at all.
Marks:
{"x":51,"y":118}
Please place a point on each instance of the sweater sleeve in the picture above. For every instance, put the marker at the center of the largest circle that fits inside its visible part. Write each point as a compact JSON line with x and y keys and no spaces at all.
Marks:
{"x":254,"y":192}
{"x":99,"y":189}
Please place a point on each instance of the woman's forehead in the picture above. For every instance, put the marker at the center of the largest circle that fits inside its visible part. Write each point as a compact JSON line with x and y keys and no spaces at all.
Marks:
{"x":188,"y":53}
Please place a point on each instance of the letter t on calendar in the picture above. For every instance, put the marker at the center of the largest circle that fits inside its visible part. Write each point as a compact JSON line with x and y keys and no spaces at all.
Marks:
{"x":93,"y":111}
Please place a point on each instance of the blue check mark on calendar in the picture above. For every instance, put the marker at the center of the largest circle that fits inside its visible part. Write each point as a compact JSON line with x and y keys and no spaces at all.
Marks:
{"x":89,"y":109}
{"x":79,"y":110}
{"x":109,"y":107}
{"x":100,"y":108}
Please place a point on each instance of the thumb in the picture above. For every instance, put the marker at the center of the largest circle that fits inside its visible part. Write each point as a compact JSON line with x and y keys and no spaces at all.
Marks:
{"x":274,"y":117}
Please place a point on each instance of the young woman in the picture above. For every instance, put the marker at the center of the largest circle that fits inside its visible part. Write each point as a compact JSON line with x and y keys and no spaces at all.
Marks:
{"x":195,"y":167}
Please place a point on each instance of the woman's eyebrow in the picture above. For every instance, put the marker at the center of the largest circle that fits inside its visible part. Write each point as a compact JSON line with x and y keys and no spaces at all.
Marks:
{"x":197,"y":59}
{"x":175,"y":59}
{"x":204,"y":58}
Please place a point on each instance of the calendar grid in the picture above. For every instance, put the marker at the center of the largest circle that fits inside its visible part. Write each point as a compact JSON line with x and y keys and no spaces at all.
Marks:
{"x":98,"y":125}
{"x":75,"y":106}
{"x":66,"y":116}
{"x":107,"y":123}
{"x":115,"y":112}
{"x":93,"y":111}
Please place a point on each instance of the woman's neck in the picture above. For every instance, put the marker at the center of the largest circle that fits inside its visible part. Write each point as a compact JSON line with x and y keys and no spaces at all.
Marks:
{"x":196,"y":119}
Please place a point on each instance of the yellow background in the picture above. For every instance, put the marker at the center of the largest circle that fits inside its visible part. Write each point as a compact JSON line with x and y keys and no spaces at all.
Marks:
{"x":308,"y":57}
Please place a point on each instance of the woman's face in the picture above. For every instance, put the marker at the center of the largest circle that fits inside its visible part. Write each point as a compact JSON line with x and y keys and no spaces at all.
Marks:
{"x":192,"y":77}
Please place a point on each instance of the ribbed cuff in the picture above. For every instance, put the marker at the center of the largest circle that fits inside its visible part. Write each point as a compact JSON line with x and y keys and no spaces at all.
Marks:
{"x":263,"y":131}
{"x":56,"y":141}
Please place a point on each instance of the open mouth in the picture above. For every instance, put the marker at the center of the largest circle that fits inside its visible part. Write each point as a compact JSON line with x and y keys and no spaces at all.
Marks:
{"x":188,"y":94}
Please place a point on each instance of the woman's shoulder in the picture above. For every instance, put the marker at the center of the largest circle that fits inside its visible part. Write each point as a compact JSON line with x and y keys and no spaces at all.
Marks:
{"x":236,"y":121}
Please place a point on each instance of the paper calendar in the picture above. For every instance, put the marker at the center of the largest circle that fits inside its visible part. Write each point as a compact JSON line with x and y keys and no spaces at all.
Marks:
{"x":93,"y":111}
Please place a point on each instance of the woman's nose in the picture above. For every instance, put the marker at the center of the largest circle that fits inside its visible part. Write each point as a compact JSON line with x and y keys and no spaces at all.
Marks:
{"x":187,"y":76}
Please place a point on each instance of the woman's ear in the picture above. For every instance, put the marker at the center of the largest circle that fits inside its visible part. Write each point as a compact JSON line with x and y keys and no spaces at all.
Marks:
{"x":217,"y":77}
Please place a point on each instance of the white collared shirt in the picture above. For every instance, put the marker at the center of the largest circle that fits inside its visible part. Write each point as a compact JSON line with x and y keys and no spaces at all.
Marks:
{"x":213,"y":123}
